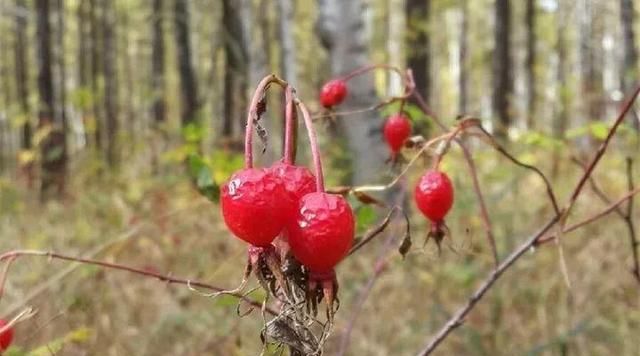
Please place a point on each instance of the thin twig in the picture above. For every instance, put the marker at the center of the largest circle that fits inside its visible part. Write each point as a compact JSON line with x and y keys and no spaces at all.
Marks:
{"x":164,"y":278}
{"x":628,"y":218}
{"x":379,"y":267}
{"x":604,"y":212}
{"x":457,"y":319}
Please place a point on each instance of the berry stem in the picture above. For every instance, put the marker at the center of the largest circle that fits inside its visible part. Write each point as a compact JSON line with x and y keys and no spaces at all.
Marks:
{"x":252,"y":115}
{"x":370,"y":68}
{"x":313,"y":142}
{"x":290,"y":126}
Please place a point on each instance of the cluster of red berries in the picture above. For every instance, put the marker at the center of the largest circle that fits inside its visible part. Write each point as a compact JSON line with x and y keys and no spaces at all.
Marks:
{"x":258,"y":205}
{"x":6,"y":336}
{"x":282,"y":209}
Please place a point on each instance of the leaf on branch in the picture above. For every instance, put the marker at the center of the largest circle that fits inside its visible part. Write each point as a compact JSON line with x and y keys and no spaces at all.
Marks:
{"x":341,"y":190}
{"x":405,"y":245}
{"x":367,"y":199}
{"x":261,"y":108}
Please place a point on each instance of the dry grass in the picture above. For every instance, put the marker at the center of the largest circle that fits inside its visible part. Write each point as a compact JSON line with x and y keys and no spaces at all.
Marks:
{"x":531,"y":311}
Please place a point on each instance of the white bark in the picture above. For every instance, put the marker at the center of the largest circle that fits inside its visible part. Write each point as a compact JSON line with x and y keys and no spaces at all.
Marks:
{"x":394,"y":43}
{"x":341,"y":30}
{"x":287,"y":43}
{"x":257,"y":58}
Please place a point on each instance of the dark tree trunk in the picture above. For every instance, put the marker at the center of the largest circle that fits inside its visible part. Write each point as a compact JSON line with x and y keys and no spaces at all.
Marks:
{"x":188,"y":85}
{"x":502,"y":77}
{"x":83,"y":44}
{"x":235,"y":73}
{"x":464,"y":47}
{"x":96,"y":69}
{"x":530,"y":20}
{"x":53,"y":147}
{"x":110,"y":82}
{"x":62,"y":71}
{"x":22,"y":73}
{"x":158,"y":64}
{"x":418,"y":44}
{"x":630,"y":65}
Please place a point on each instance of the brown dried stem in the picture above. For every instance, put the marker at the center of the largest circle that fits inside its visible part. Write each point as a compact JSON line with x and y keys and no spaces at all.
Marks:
{"x":11,"y":255}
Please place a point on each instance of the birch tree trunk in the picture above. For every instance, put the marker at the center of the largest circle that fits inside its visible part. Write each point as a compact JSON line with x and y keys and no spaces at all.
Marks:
{"x":341,"y":30}
{"x":287,"y":43}
{"x":463,"y":101}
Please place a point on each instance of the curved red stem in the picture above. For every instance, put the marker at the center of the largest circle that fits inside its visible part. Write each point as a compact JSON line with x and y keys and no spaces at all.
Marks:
{"x":258,"y":96}
{"x":290,"y":127}
{"x":313,"y":142}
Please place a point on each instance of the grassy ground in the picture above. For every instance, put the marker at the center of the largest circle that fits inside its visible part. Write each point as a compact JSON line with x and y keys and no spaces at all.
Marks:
{"x":164,"y":225}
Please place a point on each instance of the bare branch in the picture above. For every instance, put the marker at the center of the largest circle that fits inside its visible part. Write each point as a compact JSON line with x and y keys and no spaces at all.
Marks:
{"x":12,"y":255}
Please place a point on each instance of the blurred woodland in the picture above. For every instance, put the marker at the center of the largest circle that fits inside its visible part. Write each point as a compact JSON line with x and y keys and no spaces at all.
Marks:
{"x":116,"y":117}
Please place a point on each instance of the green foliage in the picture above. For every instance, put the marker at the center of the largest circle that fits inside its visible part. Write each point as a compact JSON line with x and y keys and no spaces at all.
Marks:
{"x":80,"y":335}
{"x":201,"y":173}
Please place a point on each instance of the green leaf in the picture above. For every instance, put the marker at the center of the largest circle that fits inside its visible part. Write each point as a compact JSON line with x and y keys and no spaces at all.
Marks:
{"x":202,"y":174}
{"x":599,"y":130}
{"x":365,"y":217}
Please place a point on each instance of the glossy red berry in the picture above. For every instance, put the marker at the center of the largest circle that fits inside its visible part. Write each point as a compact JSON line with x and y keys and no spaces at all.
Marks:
{"x":397,"y":129}
{"x":253,"y":205}
{"x":333,"y":93}
{"x":322,"y":232}
{"x":298,"y":181}
{"x":434,"y":195}
{"x":6,"y":337}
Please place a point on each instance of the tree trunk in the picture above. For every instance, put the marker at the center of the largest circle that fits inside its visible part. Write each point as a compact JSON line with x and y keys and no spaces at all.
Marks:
{"x":347,"y":53}
{"x":288,"y":67}
{"x":158,"y":64}
{"x":22,"y":73}
{"x":561,"y":120}
{"x":62,"y":70}
{"x":502,"y":71}
{"x":418,"y":44}
{"x":96,"y":69}
{"x":395,"y":37}
{"x":591,"y":77}
{"x":53,"y":147}
{"x":110,"y":82}
{"x":530,"y":20}
{"x":464,"y":47}
{"x":630,"y":64}
{"x":235,"y":73}
{"x":188,"y":84}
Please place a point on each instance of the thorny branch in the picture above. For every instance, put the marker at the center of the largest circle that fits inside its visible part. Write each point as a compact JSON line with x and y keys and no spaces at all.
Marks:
{"x":12,"y":255}
{"x":458,"y":318}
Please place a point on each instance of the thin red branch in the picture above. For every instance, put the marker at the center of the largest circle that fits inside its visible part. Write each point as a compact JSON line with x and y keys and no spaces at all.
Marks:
{"x":11,"y":255}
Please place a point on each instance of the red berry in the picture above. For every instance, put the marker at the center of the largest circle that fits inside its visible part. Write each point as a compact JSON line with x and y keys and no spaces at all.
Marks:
{"x":434,"y":195}
{"x":6,"y":336}
{"x":253,"y":206}
{"x":333,"y":93}
{"x":322,"y":233}
{"x":298,"y":181}
{"x":397,"y":129}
